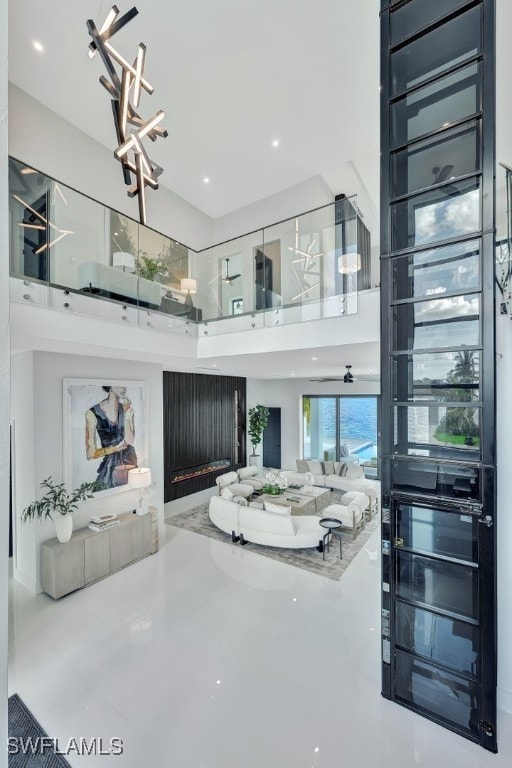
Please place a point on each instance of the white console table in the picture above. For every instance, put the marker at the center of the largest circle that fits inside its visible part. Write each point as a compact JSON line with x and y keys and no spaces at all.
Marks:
{"x":90,"y":555}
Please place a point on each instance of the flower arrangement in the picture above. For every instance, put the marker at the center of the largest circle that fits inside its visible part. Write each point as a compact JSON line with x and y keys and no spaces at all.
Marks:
{"x":276,"y":483}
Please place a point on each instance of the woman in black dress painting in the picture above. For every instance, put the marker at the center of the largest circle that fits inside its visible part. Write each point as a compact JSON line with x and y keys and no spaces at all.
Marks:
{"x":112,"y":423}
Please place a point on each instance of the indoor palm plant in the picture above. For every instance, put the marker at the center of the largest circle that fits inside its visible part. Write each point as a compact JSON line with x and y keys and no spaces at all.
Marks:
{"x":258,"y":420}
{"x":61,"y":503}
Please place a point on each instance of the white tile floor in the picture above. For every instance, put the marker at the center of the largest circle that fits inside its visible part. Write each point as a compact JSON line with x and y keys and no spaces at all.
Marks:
{"x":209,"y":656}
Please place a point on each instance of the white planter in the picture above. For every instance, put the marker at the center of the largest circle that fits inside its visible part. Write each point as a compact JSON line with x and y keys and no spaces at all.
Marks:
{"x":63,"y":527}
{"x":256,"y":461}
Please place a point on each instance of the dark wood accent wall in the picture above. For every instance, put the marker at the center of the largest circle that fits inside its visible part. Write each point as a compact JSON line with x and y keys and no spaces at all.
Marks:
{"x":204,"y":420}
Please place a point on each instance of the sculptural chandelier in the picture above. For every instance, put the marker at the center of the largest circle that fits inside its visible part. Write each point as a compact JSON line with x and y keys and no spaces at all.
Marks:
{"x":125,"y":89}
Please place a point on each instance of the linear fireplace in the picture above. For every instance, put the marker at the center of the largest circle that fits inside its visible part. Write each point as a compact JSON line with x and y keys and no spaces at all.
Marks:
{"x":189,"y":473}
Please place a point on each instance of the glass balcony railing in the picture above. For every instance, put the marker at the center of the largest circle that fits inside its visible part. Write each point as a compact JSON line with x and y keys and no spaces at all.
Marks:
{"x":102,"y":262}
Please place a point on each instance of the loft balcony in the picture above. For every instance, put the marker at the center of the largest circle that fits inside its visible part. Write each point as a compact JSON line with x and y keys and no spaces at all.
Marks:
{"x":70,"y":252}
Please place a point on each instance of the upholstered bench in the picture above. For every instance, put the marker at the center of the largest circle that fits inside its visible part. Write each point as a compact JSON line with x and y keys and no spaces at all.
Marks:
{"x":351,"y":515}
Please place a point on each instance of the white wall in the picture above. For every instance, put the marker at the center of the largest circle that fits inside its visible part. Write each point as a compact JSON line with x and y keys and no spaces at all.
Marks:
{"x":504,"y":372}
{"x":4,"y":377}
{"x":287,"y":395}
{"x":37,"y":412}
{"x":41,"y":138}
{"x":292,"y":201}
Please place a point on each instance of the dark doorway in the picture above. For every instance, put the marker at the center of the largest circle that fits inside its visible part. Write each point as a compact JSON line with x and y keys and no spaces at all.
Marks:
{"x":272,"y":440}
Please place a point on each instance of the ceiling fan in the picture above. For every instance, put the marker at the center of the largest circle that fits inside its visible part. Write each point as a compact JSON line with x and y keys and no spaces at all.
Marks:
{"x":348,"y":377}
{"x":229,"y":278}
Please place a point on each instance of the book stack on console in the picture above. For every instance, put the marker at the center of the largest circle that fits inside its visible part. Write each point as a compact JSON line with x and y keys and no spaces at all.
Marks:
{"x":103,"y":522}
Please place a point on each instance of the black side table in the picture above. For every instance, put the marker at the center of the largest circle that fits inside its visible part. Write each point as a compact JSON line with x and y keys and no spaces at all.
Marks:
{"x":333,"y":526}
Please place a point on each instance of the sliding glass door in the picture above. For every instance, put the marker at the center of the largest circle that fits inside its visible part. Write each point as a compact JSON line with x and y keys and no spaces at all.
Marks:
{"x":338,"y":425}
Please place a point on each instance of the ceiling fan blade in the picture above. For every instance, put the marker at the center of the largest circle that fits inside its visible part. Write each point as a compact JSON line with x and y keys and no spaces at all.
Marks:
{"x":234,"y":277}
{"x":327,"y":378}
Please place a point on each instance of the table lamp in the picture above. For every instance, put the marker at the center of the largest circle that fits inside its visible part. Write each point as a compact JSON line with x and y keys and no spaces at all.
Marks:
{"x":140,"y":478}
{"x":123,"y":260}
{"x":188,"y":285}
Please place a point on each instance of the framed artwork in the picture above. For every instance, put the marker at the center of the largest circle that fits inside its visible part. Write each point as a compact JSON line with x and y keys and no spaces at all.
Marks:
{"x":237,"y":306}
{"x":105,"y":431}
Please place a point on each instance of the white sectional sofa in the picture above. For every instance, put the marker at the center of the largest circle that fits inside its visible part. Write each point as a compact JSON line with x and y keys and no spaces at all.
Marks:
{"x":258,"y":526}
{"x":338,"y":476}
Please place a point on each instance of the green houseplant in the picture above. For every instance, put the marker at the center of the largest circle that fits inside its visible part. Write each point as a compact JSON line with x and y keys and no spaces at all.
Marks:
{"x":150,"y":267}
{"x":258,"y":420}
{"x":61,"y":503}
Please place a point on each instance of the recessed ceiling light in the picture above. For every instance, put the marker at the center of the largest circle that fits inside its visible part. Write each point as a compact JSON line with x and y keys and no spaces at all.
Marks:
{"x":38,"y":46}
{"x":275,"y":143}
{"x":292,"y":374}
{"x":206,"y":180}
{"x":314,"y":358}
{"x":214,"y":365}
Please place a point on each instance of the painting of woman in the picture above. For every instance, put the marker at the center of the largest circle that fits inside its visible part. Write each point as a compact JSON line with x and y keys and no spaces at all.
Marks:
{"x":111,"y":422}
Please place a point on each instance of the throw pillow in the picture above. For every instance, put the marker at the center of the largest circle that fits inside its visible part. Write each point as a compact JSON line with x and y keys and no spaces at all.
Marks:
{"x":269,"y":507}
{"x":344,"y":449}
{"x":302,"y":465}
{"x":328,"y":467}
{"x":240,"y":500}
{"x":227,"y":494}
{"x":343,"y":469}
{"x":353,"y":471}
{"x":315,"y":467}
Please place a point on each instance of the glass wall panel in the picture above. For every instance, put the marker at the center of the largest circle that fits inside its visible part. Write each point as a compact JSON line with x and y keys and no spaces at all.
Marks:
{"x":441,"y":158}
{"x":440,"y":49}
{"x":453,"y":643}
{"x":434,"y":478}
{"x":444,"y":694}
{"x":446,"y":213}
{"x":416,"y":15}
{"x":453,"y":98}
{"x":448,"y":376}
{"x":319,"y":428}
{"x":441,"y":322}
{"x":437,"y":583}
{"x":434,"y":430}
{"x":29,"y":201}
{"x":437,"y":271}
{"x":437,"y":531}
{"x":358,"y":427}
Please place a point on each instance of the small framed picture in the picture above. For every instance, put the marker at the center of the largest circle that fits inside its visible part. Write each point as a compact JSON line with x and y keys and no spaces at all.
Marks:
{"x":237,"y":306}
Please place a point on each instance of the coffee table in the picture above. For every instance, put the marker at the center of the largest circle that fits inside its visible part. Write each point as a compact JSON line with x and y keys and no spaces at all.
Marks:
{"x":320,"y":495}
{"x":333,"y":527}
{"x":300,"y":504}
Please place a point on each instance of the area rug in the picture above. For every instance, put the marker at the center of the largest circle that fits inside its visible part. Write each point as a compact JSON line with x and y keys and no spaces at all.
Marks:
{"x":29,"y":746}
{"x":198,"y":521}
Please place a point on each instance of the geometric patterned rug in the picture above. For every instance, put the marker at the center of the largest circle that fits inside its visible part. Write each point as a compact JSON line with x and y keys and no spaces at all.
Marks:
{"x":198,"y":521}
{"x":26,"y":735}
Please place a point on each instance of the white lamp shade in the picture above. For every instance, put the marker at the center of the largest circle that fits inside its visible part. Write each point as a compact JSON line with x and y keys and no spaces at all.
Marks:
{"x":139,"y":478}
{"x":348,"y":263}
{"x":188,"y":285}
{"x":124,"y":260}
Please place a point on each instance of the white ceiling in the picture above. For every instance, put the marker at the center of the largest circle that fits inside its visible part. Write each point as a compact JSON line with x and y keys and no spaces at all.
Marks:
{"x":231,"y":76}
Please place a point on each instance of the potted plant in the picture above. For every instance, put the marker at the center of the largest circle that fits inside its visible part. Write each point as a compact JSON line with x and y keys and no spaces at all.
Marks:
{"x":151,"y":267}
{"x":258,"y":420}
{"x":276,"y":483}
{"x":61,"y":503}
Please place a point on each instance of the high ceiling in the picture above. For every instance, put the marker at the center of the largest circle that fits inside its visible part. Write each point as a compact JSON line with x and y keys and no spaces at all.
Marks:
{"x":231,"y":76}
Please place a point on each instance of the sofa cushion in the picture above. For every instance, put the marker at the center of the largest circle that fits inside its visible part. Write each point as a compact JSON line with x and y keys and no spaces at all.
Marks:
{"x":280,"y":509}
{"x":265,"y":522}
{"x":302,"y":465}
{"x":246,"y":472}
{"x":354,"y":472}
{"x":316,"y":467}
{"x":328,"y":467}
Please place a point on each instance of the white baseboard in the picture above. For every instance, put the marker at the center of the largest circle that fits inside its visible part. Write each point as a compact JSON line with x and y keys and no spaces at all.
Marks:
{"x":32,"y":585}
